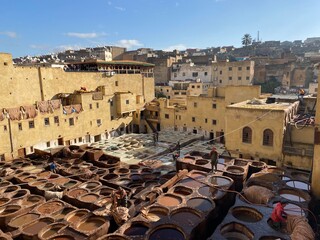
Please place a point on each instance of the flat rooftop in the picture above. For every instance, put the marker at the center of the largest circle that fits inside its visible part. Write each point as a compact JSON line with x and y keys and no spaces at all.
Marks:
{"x":262,"y":104}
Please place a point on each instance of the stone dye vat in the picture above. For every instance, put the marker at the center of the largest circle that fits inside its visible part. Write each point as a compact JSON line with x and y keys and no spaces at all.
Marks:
{"x":135,"y":229}
{"x":238,"y":174}
{"x":294,"y":195}
{"x":167,"y":231}
{"x":50,"y":207}
{"x":93,"y":226}
{"x":21,"y":220}
{"x":32,"y":229}
{"x":186,"y":217}
{"x":169,"y":200}
{"x":246,"y":214}
{"x":236,"y":231}
{"x":75,"y":216}
{"x":51,"y":230}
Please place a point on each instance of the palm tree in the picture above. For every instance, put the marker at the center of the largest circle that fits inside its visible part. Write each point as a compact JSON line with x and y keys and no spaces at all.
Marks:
{"x":246,"y":39}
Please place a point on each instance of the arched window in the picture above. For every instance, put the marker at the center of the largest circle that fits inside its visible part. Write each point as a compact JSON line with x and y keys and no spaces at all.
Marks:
{"x":247,"y":135}
{"x":267,"y":137}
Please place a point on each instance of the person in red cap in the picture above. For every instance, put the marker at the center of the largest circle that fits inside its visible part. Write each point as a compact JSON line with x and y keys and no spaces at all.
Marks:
{"x":214,"y":159}
{"x":278,"y":215}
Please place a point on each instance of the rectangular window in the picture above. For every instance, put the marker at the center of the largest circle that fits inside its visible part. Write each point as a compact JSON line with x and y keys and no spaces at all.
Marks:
{"x":206,"y":120}
{"x":195,"y":104}
{"x":176,"y":117}
{"x":214,"y":105}
{"x":214,"y":122}
{"x":239,"y":68}
{"x":20,"y":126}
{"x":230,"y":68}
{"x":184,"y":74}
{"x":193,"y":119}
{"x":31,"y":124}
{"x":46,"y":122}
{"x":175,"y":75}
{"x":195,"y":74}
{"x":127,"y":101}
{"x":179,"y":117}
{"x":192,"y":86}
{"x":98,"y":122}
{"x":112,"y":117}
{"x":205,"y":73}
{"x":176,"y":93}
{"x":198,"y":86}
{"x":248,"y":68}
{"x":239,"y":78}
{"x":2,"y":157}
{"x":97,"y":105}
{"x":166,"y":116}
{"x":116,"y":83}
{"x":56,"y":119}
{"x":48,"y":144}
{"x":71,"y":122}
{"x":230,"y":78}
{"x":220,"y":72}
{"x":90,"y":106}
{"x":220,"y":81}
{"x":247,"y":78}
{"x":5,"y":128}
{"x":111,"y":103}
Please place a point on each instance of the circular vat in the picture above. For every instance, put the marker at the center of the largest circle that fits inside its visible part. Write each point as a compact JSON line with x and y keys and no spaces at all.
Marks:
{"x":202,"y":162}
{"x":61,"y":214}
{"x":20,"y":194}
{"x":70,"y":183}
{"x":91,"y":185}
{"x":169,"y":200}
{"x":76,"y":215}
{"x":189,"y":182}
{"x":186,"y":217}
{"x":247,"y":214}
{"x":294,"y":195}
{"x":9,"y":209}
{"x":122,"y":171}
{"x":258,"y":164}
{"x":4,"y":184}
{"x":220,"y":181}
{"x":50,"y":230}
{"x":136,"y":229}
{"x":22,"y":220}
{"x":91,"y":224}
{"x":38,"y":182}
{"x":155,"y":213}
{"x":207,"y":191}
{"x":136,"y":177}
{"x":237,"y":231}
{"x":181,"y":190}
{"x":201,"y":204}
{"x":77,"y":192}
{"x":110,"y":176}
{"x":10,"y":189}
{"x":148,"y":176}
{"x":299,"y":185}
{"x":235,"y":170}
{"x":89,"y":198}
{"x":4,"y":201}
{"x":238,"y":162}
{"x":167,"y":231}
{"x":35,"y":227}
{"x":34,"y":199}
{"x":50,"y":207}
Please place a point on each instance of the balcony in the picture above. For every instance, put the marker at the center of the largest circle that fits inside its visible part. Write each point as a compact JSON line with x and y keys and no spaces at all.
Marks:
{"x":306,"y":150}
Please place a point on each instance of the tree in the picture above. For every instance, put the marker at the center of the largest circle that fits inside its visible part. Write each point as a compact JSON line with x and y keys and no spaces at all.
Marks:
{"x":246,"y":39}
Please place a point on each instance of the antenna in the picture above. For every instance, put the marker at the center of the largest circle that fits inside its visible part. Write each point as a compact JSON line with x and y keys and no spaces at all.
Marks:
{"x":258,"y":35}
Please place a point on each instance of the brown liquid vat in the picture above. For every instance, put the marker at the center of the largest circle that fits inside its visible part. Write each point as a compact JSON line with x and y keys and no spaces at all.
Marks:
{"x":31,"y":230}
{"x":33,"y":200}
{"x":63,"y":237}
{"x":155,"y":213}
{"x":74,"y":216}
{"x":294,"y":195}
{"x":7,"y":212}
{"x":5,"y":184}
{"x":236,"y":230}
{"x":167,"y":231}
{"x":62,"y":213}
{"x":110,"y":177}
{"x":93,"y":226}
{"x":247,"y":214}
{"x":21,"y":220}
{"x":4,"y":201}
{"x":122,"y":171}
{"x":51,"y":230}
{"x":89,"y":198}
{"x":186,"y":217}
{"x":77,"y":192}
{"x":9,"y":191}
{"x":50,"y":207}
{"x":70,"y":184}
{"x":90,"y":185}
{"x":169,"y":200}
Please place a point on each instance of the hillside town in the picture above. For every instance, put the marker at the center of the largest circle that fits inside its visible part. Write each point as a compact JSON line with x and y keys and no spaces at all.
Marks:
{"x":215,"y":143}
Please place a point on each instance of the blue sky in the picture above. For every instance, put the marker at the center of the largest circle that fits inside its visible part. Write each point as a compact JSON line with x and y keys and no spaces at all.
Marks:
{"x":30,"y":27}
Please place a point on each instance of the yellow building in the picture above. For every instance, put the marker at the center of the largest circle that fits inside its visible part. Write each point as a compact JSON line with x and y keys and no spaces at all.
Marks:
{"x":232,"y":73}
{"x":44,"y":107}
{"x":200,"y":113}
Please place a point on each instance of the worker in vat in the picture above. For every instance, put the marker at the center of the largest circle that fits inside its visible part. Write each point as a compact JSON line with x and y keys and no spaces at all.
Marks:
{"x":278,"y":215}
{"x":301,"y":93}
{"x":214,"y":159}
{"x":53,"y":167}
